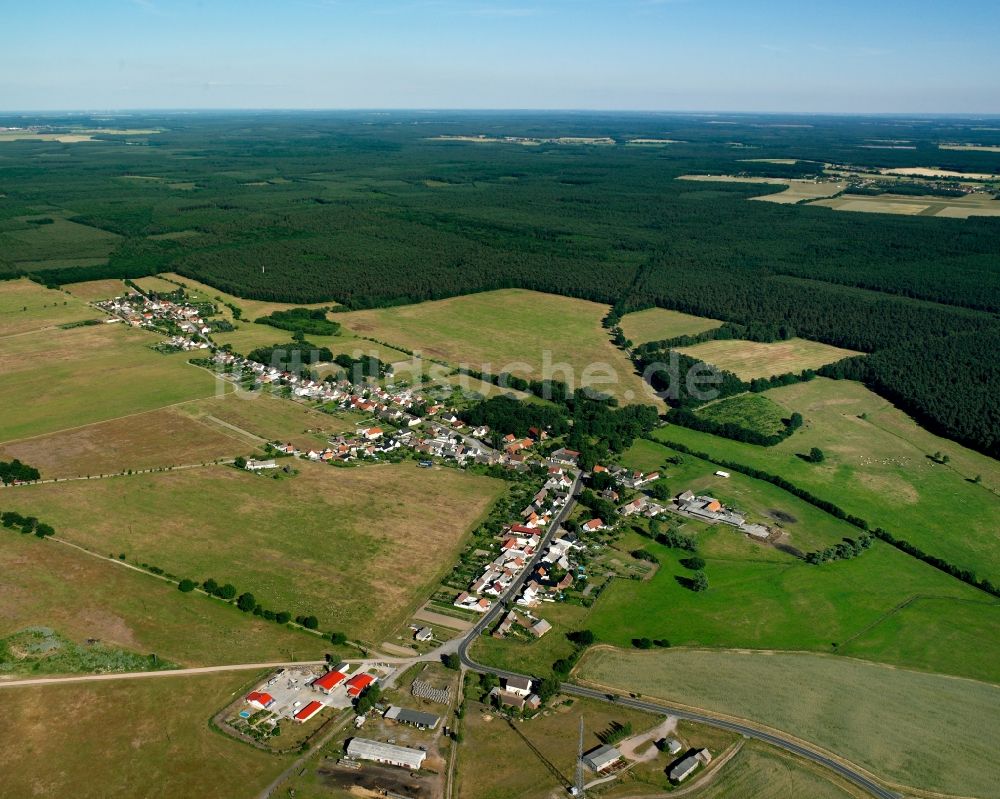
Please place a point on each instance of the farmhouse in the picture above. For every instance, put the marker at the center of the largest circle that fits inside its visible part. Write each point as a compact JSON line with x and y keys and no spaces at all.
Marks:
{"x":260,"y":699}
{"x":415,"y":718}
{"x":540,"y":627}
{"x":519,"y":686}
{"x":424,"y":634}
{"x":403,"y":756}
{"x":686,"y":767}
{"x":604,"y":757}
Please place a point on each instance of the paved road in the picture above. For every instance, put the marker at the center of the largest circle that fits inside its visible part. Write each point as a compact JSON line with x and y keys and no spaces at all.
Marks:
{"x":461,"y":645}
{"x":141,"y":675}
{"x":787,"y":744}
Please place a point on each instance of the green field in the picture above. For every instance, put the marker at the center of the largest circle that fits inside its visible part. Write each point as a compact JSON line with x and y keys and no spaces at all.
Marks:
{"x":883,"y":606}
{"x":48,"y":584}
{"x":750,"y":359}
{"x":154,"y":741}
{"x":656,"y":324}
{"x":878,"y":467}
{"x":763,"y":772}
{"x":94,"y":290}
{"x":749,"y":411}
{"x":339,"y":543}
{"x":271,"y":418}
{"x":25,"y":306}
{"x":523,"y":332}
{"x":39,"y":246}
{"x":69,"y":378}
{"x":893,"y":722}
{"x":489,"y":741}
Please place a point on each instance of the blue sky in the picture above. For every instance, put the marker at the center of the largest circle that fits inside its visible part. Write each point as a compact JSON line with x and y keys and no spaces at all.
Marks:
{"x":883,"y":56}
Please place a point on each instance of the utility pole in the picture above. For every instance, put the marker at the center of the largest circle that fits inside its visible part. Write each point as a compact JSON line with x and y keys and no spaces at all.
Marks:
{"x":578,"y":788}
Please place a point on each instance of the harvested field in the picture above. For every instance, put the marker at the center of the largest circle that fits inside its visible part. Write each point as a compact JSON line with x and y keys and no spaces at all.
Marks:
{"x":327,"y":541}
{"x":950,"y":207}
{"x":883,"y":727}
{"x":156,"y":439}
{"x":750,"y":359}
{"x":797,"y":190}
{"x":154,"y":741}
{"x":934,"y":172}
{"x":976,"y":148}
{"x":656,"y":324}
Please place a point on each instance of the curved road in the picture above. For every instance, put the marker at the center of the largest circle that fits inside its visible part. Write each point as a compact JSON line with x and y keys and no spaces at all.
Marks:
{"x":787,"y":744}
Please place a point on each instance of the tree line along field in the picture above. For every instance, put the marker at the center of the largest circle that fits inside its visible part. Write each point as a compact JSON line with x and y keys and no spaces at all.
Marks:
{"x":155,"y":740}
{"x":903,"y":726}
{"x":750,"y":359}
{"x":327,"y":208}
{"x":339,"y":544}
{"x":878,"y":465}
{"x":86,"y":597}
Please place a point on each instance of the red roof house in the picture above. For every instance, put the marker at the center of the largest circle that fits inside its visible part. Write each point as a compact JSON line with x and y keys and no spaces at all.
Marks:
{"x":260,"y":699}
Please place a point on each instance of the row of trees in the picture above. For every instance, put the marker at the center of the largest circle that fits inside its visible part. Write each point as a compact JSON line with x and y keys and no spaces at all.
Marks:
{"x":965,"y":575}
{"x":845,"y":550}
{"x":27,"y":525}
{"x":14,"y":471}
{"x":247,"y":603}
{"x":685,"y":417}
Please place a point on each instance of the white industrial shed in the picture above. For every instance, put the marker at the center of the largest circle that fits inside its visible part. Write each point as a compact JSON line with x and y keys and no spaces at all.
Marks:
{"x":366,"y":749}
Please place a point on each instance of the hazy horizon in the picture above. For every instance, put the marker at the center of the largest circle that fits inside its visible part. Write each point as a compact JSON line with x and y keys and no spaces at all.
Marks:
{"x":896,"y":57}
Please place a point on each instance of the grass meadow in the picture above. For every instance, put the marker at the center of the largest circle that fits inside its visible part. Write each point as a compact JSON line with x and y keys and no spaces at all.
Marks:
{"x":357,"y":547}
{"x":750,"y":359}
{"x":69,"y":378}
{"x":49,"y":584}
{"x":490,"y":740}
{"x":154,"y":741}
{"x":764,"y":772}
{"x":151,"y":440}
{"x":878,"y":466}
{"x":510,"y":329}
{"x":95,"y":290}
{"x":904,"y":726}
{"x":656,"y":324}
{"x":27,"y":306}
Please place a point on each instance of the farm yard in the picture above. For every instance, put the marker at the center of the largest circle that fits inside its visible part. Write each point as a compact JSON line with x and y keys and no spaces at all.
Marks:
{"x":88,"y":598}
{"x":878,"y":465}
{"x":154,"y":741}
{"x":656,"y":324}
{"x":750,"y":359}
{"x":92,"y":374}
{"x":336,"y":543}
{"x":874,"y":716}
{"x":512,"y":329}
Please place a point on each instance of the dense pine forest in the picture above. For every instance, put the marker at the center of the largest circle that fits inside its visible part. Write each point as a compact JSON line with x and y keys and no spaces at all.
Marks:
{"x":375,"y":209}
